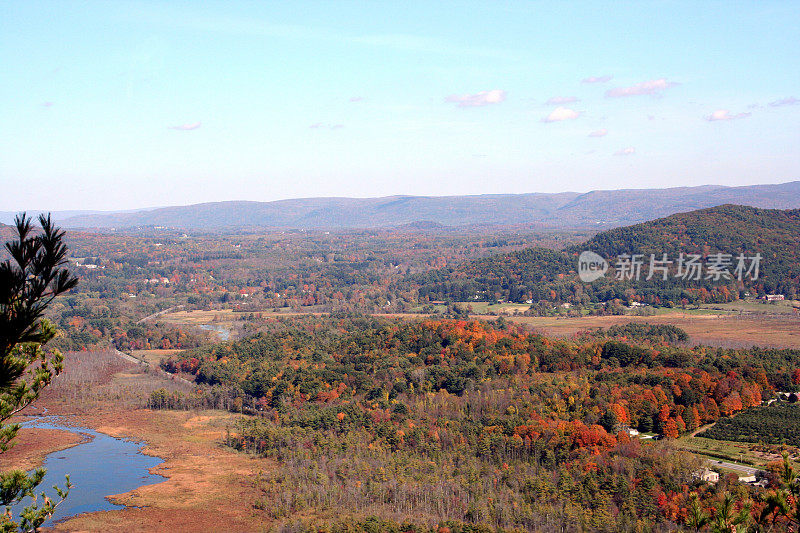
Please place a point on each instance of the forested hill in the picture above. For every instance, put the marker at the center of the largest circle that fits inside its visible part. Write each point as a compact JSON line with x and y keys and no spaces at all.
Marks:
{"x":595,"y":209}
{"x":729,"y":228}
{"x":545,"y":275}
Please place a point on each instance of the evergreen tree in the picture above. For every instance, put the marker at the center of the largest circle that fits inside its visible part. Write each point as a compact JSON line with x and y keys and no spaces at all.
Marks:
{"x":29,"y":281}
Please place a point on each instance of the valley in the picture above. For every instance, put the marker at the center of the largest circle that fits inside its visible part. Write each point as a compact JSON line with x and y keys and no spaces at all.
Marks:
{"x":312,"y":379}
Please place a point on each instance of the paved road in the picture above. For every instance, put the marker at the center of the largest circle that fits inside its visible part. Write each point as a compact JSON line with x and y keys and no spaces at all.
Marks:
{"x":742,"y":470}
{"x":133,"y":359}
{"x":164,"y":312}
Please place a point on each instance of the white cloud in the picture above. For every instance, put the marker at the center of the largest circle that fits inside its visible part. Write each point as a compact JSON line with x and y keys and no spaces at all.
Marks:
{"x":626,"y":151}
{"x":645,"y":87}
{"x":561,"y":113}
{"x":791,"y":100}
{"x":495,"y":96}
{"x":599,"y":133}
{"x":724,"y":114}
{"x":597,"y":79}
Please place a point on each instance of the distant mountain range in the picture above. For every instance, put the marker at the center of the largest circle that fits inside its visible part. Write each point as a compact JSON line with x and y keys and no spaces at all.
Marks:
{"x":7,"y":217}
{"x":601,"y":209}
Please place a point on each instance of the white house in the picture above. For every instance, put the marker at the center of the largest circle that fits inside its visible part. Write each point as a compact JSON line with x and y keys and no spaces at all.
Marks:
{"x":707,"y":475}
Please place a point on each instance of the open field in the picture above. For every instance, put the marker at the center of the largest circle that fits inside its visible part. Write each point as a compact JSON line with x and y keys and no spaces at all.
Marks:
{"x":784,"y":307}
{"x":221,"y":316}
{"x":712,"y":329}
{"x":689,"y":311}
{"x":480,"y":308}
{"x":196,"y":318}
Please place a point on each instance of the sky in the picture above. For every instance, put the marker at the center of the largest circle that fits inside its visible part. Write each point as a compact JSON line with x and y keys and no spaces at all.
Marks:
{"x":124,"y":105}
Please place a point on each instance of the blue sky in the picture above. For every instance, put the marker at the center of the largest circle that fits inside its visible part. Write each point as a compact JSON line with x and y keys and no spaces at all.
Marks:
{"x":118,"y":105}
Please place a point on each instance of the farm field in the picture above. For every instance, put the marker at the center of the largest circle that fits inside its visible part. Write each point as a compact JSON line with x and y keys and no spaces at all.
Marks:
{"x":774,"y":424}
{"x":737,"y":452}
{"x":783,"y":307}
{"x":712,"y":329}
{"x":742,"y":453}
{"x":479,"y":308}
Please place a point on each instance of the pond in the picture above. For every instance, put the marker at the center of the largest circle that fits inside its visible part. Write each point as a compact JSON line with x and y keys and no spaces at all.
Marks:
{"x":223,"y":333}
{"x":99,"y":467}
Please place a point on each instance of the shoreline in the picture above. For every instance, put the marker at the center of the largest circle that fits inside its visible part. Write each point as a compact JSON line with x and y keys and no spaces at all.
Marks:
{"x":33,"y":445}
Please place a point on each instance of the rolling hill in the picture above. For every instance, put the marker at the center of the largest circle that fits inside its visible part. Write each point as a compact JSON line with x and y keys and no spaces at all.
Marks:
{"x":536,"y":274}
{"x":596,"y":209}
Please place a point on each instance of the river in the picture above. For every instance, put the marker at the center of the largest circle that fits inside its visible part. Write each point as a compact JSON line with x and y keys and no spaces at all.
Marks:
{"x":98,"y":467}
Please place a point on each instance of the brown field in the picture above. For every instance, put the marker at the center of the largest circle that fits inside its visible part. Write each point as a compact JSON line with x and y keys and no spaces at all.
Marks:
{"x":221,"y":317}
{"x":733,"y":331}
{"x":208,"y":487}
{"x":153,"y":357}
{"x":724,"y":328}
{"x":196,"y":318}
{"x":33,"y":445}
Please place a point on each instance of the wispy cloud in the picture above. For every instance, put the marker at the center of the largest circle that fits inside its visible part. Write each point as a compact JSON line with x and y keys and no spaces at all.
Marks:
{"x":186,"y":127}
{"x":320,"y":125}
{"x":724,"y":114}
{"x":791,"y":100}
{"x":560,"y":100}
{"x":599,"y":133}
{"x":47,"y":104}
{"x":645,"y":87}
{"x":357,"y":98}
{"x":561,"y":113}
{"x":495,"y":96}
{"x":630,"y":150}
{"x":597,"y":79}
